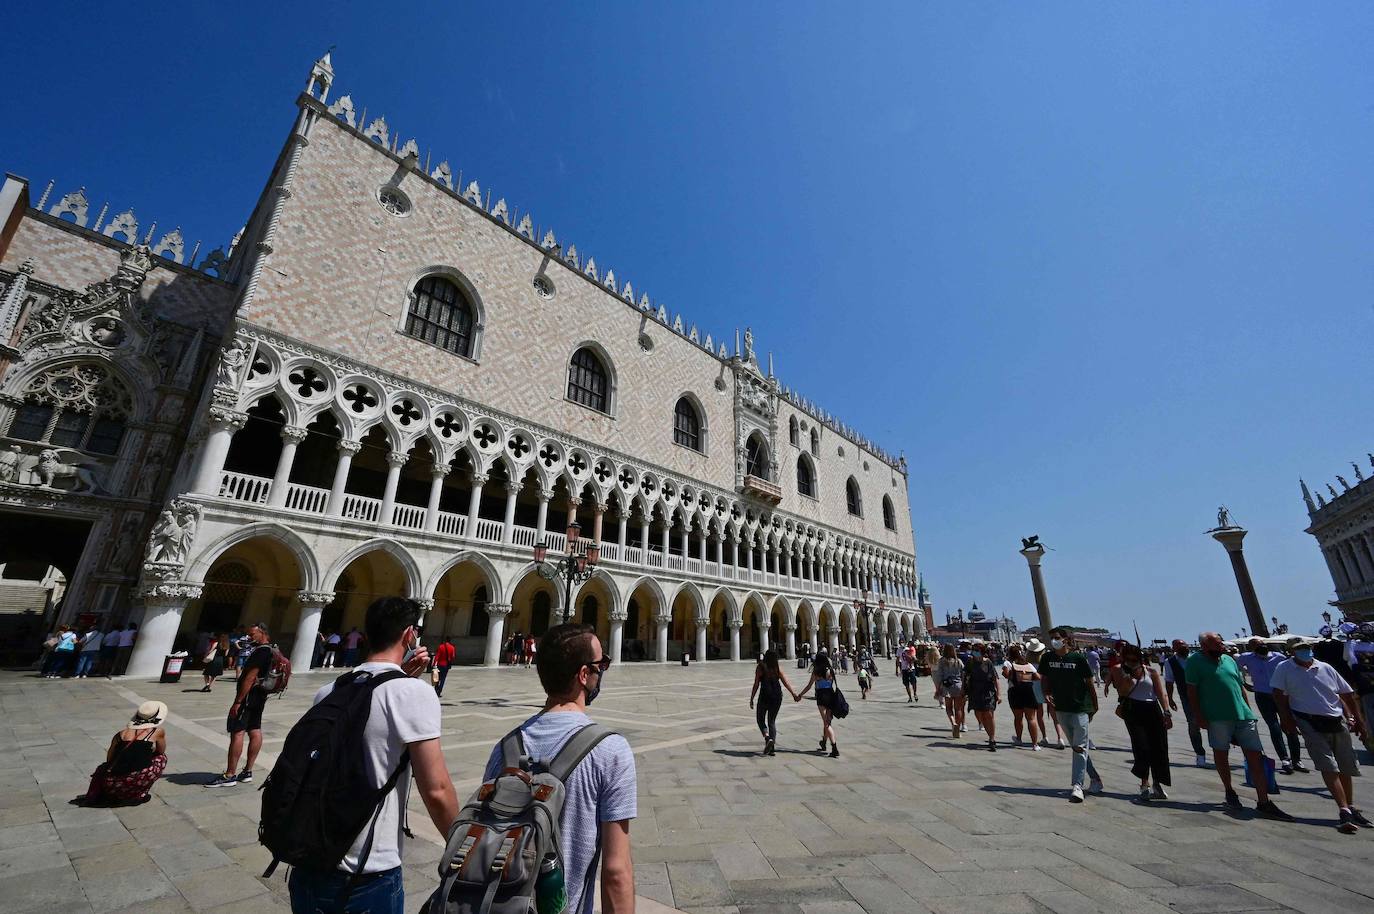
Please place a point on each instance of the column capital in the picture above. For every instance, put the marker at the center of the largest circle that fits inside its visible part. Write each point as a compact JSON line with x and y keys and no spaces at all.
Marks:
{"x":478,"y":479}
{"x":440,"y":470}
{"x":735,"y":624}
{"x":396,"y":459}
{"x":426,"y":605}
{"x":764,"y":623}
{"x":575,"y":502}
{"x":619,"y":615}
{"x":789,"y":626}
{"x":222,"y":417}
{"x":513,"y":487}
{"x":170,"y":593}
{"x":498,"y":609}
{"x":293,"y":434}
{"x":599,"y":508}
{"x":349,"y":447}
{"x":667,"y":619}
{"x":315,"y":597}
{"x":545,"y":495}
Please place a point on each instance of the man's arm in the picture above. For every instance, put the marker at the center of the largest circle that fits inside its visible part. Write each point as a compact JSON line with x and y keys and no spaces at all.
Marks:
{"x":245,"y":683}
{"x":617,"y":869}
{"x":1286,"y":720}
{"x":1354,"y":712}
{"x":436,"y":787}
{"x":1196,"y":704}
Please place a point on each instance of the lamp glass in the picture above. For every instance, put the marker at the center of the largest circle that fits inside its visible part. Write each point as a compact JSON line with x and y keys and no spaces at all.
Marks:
{"x":574,"y":529}
{"x":593,"y":554}
{"x":581,"y":563}
{"x":541,"y":551}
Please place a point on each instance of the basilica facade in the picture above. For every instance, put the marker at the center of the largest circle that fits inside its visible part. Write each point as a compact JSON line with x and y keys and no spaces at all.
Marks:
{"x":392,"y":383}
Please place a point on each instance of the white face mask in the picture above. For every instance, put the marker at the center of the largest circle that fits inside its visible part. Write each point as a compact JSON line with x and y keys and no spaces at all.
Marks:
{"x":1056,"y":643}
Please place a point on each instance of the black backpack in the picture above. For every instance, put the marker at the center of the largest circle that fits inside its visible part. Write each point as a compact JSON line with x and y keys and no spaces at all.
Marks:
{"x":319,"y":798}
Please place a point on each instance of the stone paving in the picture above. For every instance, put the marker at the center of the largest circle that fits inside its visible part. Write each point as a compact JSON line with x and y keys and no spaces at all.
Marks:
{"x":906,"y":821}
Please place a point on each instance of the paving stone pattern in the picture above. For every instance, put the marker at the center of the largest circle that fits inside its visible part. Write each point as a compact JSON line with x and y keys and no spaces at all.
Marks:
{"x":906,"y":821}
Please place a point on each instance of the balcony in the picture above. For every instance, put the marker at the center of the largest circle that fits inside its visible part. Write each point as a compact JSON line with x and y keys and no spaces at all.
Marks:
{"x":761,"y":489}
{"x":364,"y":511}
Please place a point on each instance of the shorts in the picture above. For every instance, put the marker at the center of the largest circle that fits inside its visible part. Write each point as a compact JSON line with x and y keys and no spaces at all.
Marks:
{"x":1331,"y":753}
{"x":825,"y":698}
{"x":908,"y":677}
{"x":1021,"y":696}
{"x":956,"y":690}
{"x":983,"y":699}
{"x":250,"y":713}
{"x":1039,"y":691}
{"x":1245,"y":733}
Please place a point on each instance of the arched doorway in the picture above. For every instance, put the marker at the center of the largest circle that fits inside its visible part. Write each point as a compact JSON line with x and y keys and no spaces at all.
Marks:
{"x":255,"y":581}
{"x":460,"y":610}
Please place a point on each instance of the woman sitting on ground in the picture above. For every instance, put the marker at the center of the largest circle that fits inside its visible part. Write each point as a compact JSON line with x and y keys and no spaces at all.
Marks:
{"x":135,"y":760}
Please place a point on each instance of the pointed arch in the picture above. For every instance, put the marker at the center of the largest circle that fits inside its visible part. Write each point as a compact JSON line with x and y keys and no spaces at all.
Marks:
{"x":732,"y":605}
{"x":699,"y":602}
{"x":304,"y":555}
{"x":475,"y":558}
{"x":414,"y":580}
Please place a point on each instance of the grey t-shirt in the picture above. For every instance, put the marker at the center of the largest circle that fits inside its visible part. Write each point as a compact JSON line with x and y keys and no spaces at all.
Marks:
{"x":601,"y":789}
{"x":403,"y":711}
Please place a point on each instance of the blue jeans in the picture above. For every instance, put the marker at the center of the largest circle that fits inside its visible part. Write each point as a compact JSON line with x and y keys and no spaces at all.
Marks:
{"x":443,"y":677}
{"x":85,"y":662}
{"x":1076,"y":733}
{"x":318,"y":892}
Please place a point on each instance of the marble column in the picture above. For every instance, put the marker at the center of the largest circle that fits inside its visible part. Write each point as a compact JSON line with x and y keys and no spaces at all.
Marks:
{"x":764,"y":627}
{"x":644,"y":520}
{"x":598,"y":512}
{"x":163,"y":605}
{"x":223,"y":424}
{"x":475,"y":503}
{"x":621,"y":533}
{"x":496,"y":632}
{"x":347,"y":449}
{"x":541,"y":525}
{"x":308,"y":628}
{"x":790,"y":632}
{"x":1230,"y":538}
{"x":663,"y":623}
{"x":617,"y":636}
{"x":701,"y":651}
{"x":508,"y":521}
{"x":834,"y":638}
{"x":291,"y":438}
{"x":734,"y":639}
{"x":437,"y":474}
{"x":394,"y":461}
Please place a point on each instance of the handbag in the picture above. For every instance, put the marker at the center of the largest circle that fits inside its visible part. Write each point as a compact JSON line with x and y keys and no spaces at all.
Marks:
{"x":841,"y":705}
{"x":1323,"y":723}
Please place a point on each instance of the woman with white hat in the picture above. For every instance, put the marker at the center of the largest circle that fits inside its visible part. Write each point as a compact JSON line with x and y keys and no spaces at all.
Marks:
{"x":1034,"y":650}
{"x":134,"y":761}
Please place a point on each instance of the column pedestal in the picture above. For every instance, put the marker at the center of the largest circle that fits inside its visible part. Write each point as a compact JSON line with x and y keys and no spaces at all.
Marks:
{"x":163,"y":605}
{"x":496,"y":632}
{"x":308,"y":628}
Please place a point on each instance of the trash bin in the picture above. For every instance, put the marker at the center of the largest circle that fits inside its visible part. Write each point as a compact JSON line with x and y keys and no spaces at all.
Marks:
{"x":686,"y":659}
{"x":171,"y":668}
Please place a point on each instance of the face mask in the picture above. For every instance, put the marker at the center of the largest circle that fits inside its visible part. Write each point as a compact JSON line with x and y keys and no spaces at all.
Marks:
{"x":1303,"y":655}
{"x":1056,"y":643}
{"x":593,"y":692}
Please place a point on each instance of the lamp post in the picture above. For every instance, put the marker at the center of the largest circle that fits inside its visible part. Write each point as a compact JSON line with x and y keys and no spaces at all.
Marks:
{"x":865,"y":612}
{"x":578,"y":564}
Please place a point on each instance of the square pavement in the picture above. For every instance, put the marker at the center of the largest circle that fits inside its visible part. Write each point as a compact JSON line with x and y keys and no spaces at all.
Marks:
{"x":907,"y":820}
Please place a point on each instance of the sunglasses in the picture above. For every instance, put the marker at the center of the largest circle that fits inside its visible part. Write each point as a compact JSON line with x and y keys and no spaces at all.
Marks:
{"x":601,"y":665}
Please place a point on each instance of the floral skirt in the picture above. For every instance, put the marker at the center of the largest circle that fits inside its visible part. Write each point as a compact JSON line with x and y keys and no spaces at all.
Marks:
{"x":124,"y":788}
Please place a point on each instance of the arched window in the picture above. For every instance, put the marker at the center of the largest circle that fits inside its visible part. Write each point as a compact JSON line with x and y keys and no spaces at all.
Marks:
{"x":540,"y":608}
{"x":442,"y":315}
{"x":852,"y":498}
{"x":76,"y":406}
{"x":589,"y":609}
{"x":815,"y":442}
{"x":806,"y":477}
{"x":479,"y":622}
{"x":686,"y":424}
{"x":792,"y":431}
{"x":756,"y":456}
{"x":889,"y":515}
{"x":587,"y":380}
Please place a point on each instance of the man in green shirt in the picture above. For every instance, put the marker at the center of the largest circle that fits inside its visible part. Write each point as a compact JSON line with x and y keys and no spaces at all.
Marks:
{"x":1217,"y":695}
{"x":1072,"y":696}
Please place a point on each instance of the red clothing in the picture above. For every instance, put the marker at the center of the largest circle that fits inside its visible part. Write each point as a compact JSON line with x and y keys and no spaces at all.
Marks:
{"x":444,"y":654}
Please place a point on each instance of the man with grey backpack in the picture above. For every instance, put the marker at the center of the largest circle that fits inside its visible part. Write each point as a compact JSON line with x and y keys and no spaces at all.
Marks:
{"x":557,"y":800}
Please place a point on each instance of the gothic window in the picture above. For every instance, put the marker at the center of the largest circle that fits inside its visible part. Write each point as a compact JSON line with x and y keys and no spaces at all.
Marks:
{"x":540,"y":611}
{"x":853,"y":499}
{"x":479,"y":622}
{"x":589,"y":608}
{"x":441,"y":314}
{"x":792,"y":431}
{"x":686,"y":424}
{"x":889,"y":515}
{"x":587,"y":380}
{"x":76,"y":406}
{"x":806,"y":477}
{"x":756,"y":457}
{"x":815,"y":443}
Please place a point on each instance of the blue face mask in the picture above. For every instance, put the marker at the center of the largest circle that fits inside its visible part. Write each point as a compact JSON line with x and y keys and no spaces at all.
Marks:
{"x":1303,"y":655}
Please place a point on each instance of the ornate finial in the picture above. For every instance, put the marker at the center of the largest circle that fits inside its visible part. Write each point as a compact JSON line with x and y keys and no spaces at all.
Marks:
{"x":1307,"y":497}
{"x":27,"y":266}
{"x":321,"y":77}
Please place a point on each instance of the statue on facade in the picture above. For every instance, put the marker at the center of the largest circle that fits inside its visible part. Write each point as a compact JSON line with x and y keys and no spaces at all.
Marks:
{"x":748,"y":345}
{"x":1359,"y":474}
{"x":173,"y":533}
{"x":1341,"y":479}
{"x":231,"y":361}
{"x":51,"y":468}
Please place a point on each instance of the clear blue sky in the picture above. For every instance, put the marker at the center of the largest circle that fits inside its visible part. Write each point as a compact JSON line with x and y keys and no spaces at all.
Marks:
{"x":1096,"y":268}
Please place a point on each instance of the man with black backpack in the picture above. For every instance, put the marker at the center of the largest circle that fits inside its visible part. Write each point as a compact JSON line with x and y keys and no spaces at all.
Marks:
{"x":334,"y":805}
{"x":245,"y":714}
{"x":599,"y":797}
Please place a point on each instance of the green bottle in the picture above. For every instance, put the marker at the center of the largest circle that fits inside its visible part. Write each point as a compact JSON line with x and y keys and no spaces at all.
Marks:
{"x":550,"y":891}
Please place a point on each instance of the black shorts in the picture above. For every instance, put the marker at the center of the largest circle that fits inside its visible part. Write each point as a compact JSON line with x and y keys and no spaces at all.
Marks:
{"x":250,"y":713}
{"x":909,"y":677}
{"x":825,"y":698}
{"x":1021,"y":696}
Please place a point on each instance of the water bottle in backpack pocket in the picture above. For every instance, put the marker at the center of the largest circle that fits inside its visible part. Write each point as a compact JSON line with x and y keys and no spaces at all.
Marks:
{"x":502,"y":855}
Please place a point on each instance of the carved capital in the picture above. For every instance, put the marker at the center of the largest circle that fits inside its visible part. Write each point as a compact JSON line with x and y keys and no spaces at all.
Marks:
{"x":315,"y":597}
{"x":156,"y":572}
{"x":349,"y":447}
{"x":426,"y":606}
{"x":789,"y":627}
{"x":440,"y":470}
{"x":479,"y":479}
{"x":513,"y":487}
{"x":545,"y":495}
{"x":735,"y":624}
{"x":292,"y":434}
{"x":170,"y":593}
{"x":396,"y":459}
{"x":498,"y":610}
{"x":231,"y":419}
{"x":620,"y":615}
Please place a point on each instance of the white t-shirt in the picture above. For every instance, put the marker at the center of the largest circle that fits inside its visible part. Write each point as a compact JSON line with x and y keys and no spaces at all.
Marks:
{"x":333,"y":639}
{"x":93,"y":641}
{"x":403,"y":711}
{"x":600,"y":789}
{"x":1315,"y":689}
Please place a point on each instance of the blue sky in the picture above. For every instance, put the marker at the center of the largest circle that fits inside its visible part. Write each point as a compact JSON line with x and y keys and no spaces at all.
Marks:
{"x":1096,"y":268}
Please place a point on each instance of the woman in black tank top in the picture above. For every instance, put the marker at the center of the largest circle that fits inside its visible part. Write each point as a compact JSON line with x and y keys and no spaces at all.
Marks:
{"x":769,"y":681}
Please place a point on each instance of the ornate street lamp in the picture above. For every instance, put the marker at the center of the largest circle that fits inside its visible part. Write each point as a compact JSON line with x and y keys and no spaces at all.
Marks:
{"x":862,"y":609}
{"x":578,"y":564}
{"x":1326,"y":617}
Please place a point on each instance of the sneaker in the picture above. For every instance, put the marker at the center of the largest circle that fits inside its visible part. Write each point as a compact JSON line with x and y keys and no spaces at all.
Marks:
{"x":963,"y":728}
{"x":1201,"y":761}
{"x":992,"y":746}
{"x":1359,"y":818}
{"x":1076,"y":795}
{"x":1158,"y":793}
{"x":1268,"y":810}
{"x":1232,"y":801}
{"x":1347,"y":824}
{"x":768,"y":747}
{"x":1035,"y":748}
{"x":1143,"y":796}
{"x":246,"y":777}
{"x":1095,"y":786}
{"x":223,"y":780}
{"x":1300,"y":768}
{"x":1061,"y":743}
{"x":1285,"y":768}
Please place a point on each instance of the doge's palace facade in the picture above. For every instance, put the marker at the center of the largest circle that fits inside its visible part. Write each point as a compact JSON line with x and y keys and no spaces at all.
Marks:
{"x":392,"y":383}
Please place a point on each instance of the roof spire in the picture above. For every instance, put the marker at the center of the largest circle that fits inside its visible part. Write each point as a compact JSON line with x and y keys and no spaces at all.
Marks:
{"x":321,"y":77}
{"x":1307,"y":496}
